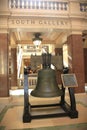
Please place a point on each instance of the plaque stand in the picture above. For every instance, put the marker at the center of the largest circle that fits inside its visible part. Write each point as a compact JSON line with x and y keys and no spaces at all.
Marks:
{"x":69,"y":109}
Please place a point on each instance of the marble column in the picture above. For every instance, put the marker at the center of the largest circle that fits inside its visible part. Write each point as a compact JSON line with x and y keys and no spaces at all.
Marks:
{"x":85,"y":63}
{"x":59,"y":51}
{"x":76,"y":60}
{"x":14,"y":67}
{"x":4,"y":74}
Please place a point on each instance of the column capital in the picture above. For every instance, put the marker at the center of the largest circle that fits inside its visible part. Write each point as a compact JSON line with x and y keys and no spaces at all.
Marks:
{"x":13,"y":46}
{"x":4,"y":30}
{"x":75,"y":32}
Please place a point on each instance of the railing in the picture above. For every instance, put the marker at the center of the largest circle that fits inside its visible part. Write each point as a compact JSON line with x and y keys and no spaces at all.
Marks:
{"x":43,"y":5}
{"x":38,"y":4}
{"x":83,"y":7}
{"x":32,"y":80}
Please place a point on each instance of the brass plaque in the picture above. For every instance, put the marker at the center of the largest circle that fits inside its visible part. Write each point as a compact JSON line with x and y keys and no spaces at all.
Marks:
{"x":69,"y":80}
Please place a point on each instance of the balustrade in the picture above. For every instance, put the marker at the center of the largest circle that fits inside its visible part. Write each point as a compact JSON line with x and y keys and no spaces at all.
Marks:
{"x":83,"y":7}
{"x":38,"y":4}
{"x":32,"y":80}
{"x":43,"y":5}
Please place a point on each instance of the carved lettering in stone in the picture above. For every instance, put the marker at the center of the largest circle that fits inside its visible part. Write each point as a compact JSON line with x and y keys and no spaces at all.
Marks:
{"x":12,"y":21}
{"x":41,"y":22}
{"x":17,"y":21}
{"x":38,"y":22}
{"x":22,"y":21}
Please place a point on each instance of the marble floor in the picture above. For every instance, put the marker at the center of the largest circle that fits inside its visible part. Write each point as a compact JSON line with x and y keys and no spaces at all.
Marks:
{"x":11,"y":112}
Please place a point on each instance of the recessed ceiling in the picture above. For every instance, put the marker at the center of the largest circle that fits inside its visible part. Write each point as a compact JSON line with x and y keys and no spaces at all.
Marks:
{"x":49,"y":36}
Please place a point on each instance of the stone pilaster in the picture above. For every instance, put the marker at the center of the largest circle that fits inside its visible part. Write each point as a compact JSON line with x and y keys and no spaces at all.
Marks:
{"x":14,"y":67}
{"x":85,"y":63}
{"x":4,"y":75}
{"x":76,"y":60}
{"x":59,"y":51}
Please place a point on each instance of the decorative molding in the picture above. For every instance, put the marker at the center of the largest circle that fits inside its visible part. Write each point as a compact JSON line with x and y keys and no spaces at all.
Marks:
{"x":75,"y":32}
{"x":71,"y":24}
{"x":13,"y":46}
{"x":4,"y":30}
{"x":72,"y":19}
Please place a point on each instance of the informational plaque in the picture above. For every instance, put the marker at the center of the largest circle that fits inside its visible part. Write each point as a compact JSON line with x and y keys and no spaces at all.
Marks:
{"x":69,"y":80}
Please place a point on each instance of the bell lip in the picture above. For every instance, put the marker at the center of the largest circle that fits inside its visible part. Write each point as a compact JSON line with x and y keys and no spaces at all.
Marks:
{"x":47,"y":69}
{"x":48,"y":95}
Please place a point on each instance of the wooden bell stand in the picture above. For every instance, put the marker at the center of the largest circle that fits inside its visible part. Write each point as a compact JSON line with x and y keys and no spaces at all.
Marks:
{"x":69,"y":80}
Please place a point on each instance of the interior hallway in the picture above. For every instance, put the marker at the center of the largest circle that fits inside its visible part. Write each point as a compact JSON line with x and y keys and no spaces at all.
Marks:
{"x":11,"y":112}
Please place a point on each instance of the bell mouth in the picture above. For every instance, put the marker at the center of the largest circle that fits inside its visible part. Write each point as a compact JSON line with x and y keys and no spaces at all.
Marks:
{"x":40,"y":94}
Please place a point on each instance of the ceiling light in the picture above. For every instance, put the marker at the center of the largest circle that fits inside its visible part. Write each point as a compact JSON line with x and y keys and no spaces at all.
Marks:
{"x":37,"y":40}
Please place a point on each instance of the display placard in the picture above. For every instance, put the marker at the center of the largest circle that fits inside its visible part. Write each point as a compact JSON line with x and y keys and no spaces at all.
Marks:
{"x":69,"y":80}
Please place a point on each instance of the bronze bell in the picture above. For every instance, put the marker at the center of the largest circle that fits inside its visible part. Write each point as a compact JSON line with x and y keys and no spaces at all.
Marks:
{"x":47,"y":84}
